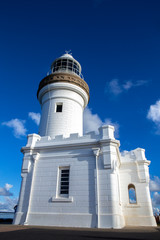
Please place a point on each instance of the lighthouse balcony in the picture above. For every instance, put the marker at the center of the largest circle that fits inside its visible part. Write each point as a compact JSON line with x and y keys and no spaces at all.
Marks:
{"x":66,"y":70}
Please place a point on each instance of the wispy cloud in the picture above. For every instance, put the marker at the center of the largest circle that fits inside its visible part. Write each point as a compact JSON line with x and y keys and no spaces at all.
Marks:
{"x":18,"y":127}
{"x":154,"y":112}
{"x":115,"y":88}
{"x":92,"y":122}
{"x":5,"y":191}
{"x":156,"y":200}
{"x":154,"y":115}
{"x":156,"y":210}
{"x":8,"y":204}
{"x":155,"y":193}
{"x":35,"y":117}
{"x":155,"y":184}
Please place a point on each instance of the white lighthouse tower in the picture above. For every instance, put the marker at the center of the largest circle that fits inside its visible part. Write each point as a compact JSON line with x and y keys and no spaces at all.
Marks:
{"x":63,"y":96}
{"x":75,"y":180}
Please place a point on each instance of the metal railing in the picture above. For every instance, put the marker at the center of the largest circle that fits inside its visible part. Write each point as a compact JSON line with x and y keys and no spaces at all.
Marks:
{"x":65,"y":70}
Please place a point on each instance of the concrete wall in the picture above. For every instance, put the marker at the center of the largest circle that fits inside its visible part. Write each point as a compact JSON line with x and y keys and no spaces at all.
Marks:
{"x":134,"y":170}
{"x":46,"y":206}
{"x":98,"y":185}
{"x":70,"y":120}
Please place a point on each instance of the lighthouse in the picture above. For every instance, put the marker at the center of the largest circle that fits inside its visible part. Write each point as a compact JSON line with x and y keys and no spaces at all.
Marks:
{"x":71,"y":179}
{"x":63,"y":95}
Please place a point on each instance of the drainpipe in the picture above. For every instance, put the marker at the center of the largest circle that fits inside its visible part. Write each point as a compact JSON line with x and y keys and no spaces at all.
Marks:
{"x":96,"y":152}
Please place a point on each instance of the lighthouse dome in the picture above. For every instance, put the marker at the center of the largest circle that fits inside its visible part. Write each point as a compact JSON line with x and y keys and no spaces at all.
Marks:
{"x":66,"y":63}
{"x":67,"y":55}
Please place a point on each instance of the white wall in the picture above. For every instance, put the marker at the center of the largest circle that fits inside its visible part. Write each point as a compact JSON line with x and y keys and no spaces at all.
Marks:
{"x":44,"y":202}
{"x":134,"y":170}
{"x":70,"y":120}
{"x":98,"y":193}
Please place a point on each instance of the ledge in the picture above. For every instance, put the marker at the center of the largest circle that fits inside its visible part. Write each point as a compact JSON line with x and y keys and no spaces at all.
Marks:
{"x":62,"y":199}
{"x":133,"y":205}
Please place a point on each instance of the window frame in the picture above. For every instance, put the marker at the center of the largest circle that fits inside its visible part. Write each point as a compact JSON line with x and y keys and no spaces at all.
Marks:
{"x":60,"y":169}
{"x":132,"y":186}
{"x":59,"y":104}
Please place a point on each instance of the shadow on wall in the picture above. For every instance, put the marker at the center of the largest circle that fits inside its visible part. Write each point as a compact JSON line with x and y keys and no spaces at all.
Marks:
{"x":91,"y":187}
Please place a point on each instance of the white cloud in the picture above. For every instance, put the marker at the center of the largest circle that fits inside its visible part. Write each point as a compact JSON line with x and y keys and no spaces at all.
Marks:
{"x":156,"y":210}
{"x":92,"y":122}
{"x":8,"y":186}
{"x":108,"y":121}
{"x":132,"y":200}
{"x":155,"y":184}
{"x":115,"y":88}
{"x":140,"y":83}
{"x":18,"y":127}
{"x":4,"y":191}
{"x":154,"y":112}
{"x":155,"y":193}
{"x":154,"y":115}
{"x":127,"y":85}
{"x":35,"y":117}
{"x":156,"y":200}
{"x":8,"y":204}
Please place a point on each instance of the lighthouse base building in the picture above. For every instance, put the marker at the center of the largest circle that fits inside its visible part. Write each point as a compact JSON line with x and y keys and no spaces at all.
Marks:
{"x":75,"y":180}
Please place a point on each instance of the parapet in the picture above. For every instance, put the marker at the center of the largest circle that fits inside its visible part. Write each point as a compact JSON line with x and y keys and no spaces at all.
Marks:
{"x":106,"y":132}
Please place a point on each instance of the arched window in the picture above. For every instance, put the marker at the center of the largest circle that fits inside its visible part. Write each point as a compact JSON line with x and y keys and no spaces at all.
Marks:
{"x":132,"y":194}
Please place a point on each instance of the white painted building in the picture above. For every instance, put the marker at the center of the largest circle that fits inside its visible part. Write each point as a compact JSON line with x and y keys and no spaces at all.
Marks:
{"x":75,"y":180}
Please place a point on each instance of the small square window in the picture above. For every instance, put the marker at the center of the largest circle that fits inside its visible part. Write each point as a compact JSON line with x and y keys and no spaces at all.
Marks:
{"x":59,"y":107}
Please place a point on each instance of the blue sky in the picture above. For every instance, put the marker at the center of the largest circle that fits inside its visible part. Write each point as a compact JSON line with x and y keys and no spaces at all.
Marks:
{"x":117,"y":45}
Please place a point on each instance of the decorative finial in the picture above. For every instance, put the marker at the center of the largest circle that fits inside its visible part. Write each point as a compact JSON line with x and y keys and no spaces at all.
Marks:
{"x":68,"y":52}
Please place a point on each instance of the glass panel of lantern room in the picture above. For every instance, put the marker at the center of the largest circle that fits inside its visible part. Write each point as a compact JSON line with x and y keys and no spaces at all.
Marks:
{"x":64,"y":63}
{"x":70,"y":65}
{"x":58,"y":65}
